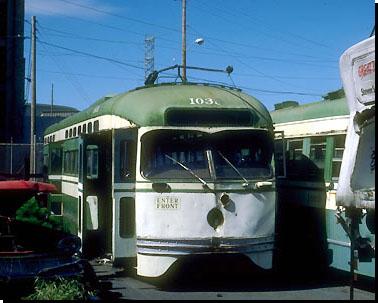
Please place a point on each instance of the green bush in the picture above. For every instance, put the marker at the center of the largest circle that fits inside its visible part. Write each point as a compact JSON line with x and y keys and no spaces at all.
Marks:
{"x":58,"y":289}
{"x":31,"y":212}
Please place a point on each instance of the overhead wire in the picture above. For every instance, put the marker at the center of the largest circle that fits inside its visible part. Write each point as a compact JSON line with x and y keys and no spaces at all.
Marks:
{"x":91,"y":55}
{"x":255,"y":20}
{"x":247,"y":65}
{"x":76,"y":84}
{"x":120,"y":16}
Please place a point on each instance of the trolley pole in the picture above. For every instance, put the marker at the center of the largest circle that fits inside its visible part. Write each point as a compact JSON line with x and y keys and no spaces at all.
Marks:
{"x":184,"y":40}
{"x":33,"y":101}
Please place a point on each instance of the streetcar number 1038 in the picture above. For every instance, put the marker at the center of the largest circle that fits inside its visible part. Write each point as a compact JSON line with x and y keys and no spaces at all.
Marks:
{"x":200,"y":101}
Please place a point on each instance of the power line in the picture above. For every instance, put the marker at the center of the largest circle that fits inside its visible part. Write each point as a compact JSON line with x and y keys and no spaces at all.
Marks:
{"x":76,"y":36}
{"x":75,"y":84}
{"x":243,"y":63}
{"x":120,"y":16}
{"x":247,"y":65}
{"x":90,"y":75}
{"x":254,"y":19}
{"x":112,"y":27}
{"x":259,"y":89}
{"x":91,"y":55}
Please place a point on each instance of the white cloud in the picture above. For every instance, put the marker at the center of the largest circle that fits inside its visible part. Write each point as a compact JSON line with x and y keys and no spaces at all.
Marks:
{"x":57,"y":7}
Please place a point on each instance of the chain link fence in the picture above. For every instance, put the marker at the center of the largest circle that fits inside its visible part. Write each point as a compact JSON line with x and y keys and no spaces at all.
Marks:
{"x":15,"y":160}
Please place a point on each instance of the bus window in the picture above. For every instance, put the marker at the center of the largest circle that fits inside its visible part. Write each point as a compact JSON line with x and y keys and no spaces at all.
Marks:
{"x":79,"y":130}
{"x":66,"y":134}
{"x":295,"y":148}
{"x":84,"y":128}
{"x":127,"y":169}
{"x":318,"y":151}
{"x":126,"y":217}
{"x":89,"y":127}
{"x":74,"y":132}
{"x":339,"y":142}
{"x":92,"y":161}
{"x":70,"y":133}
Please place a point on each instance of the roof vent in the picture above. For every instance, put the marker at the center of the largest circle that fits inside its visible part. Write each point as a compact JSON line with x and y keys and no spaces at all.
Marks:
{"x":286,"y":104}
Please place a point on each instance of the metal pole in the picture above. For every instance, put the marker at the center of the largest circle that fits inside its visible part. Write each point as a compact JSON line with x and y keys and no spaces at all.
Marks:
{"x":353,"y":251}
{"x":184,"y":40}
{"x":33,"y":100}
{"x":52,"y":98}
{"x":11,"y":156}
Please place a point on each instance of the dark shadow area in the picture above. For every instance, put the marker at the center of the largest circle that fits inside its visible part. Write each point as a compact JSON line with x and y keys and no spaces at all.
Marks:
{"x":301,"y":236}
{"x":234,"y":273}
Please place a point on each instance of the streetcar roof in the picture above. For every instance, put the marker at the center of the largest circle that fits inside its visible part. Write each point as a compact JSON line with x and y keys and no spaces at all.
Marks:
{"x":148,"y":105}
{"x":314,"y":110}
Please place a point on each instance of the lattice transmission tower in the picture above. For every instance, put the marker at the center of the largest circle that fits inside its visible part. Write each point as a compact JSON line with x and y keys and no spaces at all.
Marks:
{"x":149,"y":62}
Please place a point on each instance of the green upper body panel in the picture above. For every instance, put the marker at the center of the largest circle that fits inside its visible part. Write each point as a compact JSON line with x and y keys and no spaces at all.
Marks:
{"x":147,"y":106}
{"x":315,"y":110}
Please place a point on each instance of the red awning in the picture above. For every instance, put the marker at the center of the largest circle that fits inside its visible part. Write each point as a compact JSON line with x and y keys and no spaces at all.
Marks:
{"x":22,"y":185}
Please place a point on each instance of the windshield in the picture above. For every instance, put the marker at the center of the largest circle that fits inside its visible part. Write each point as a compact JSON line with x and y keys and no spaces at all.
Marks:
{"x":234,"y":154}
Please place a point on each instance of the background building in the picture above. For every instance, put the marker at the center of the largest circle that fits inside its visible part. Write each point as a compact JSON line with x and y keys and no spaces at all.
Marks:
{"x":45,"y":116}
{"x":12,"y":70}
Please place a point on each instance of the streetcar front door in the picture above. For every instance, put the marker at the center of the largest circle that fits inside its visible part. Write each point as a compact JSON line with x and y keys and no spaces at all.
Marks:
{"x":124,"y":236}
{"x":96,"y":204}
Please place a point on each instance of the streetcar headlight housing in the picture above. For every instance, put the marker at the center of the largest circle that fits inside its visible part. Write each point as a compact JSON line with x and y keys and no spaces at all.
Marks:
{"x":225,"y":199}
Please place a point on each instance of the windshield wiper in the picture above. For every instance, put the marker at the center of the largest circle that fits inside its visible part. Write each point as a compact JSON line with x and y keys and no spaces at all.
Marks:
{"x":204,"y":183}
{"x":245,"y":184}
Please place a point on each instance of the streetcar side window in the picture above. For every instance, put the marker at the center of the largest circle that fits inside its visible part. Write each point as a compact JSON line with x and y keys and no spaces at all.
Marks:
{"x":339,"y":143}
{"x":126,"y":217}
{"x":56,"y":208}
{"x":92,"y":161}
{"x":295,"y":148}
{"x":127,"y":169}
{"x":96,"y":126}
{"x":318,"y":151}
{"x":70,"y":162}
{"x":56,"y":161}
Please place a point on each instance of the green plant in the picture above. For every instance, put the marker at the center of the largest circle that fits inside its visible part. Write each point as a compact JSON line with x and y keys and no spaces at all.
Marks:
{"x":57,"y":289}
{"x":31,"y":212}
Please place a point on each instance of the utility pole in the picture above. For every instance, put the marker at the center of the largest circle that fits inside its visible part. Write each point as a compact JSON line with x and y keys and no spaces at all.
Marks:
{"x":52,"y":98}
{"x":184,"y":40}
{"x":34,"y":96}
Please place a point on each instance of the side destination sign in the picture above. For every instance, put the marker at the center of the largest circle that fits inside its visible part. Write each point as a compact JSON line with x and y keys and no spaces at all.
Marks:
{"x":364,"y":77}
{"x":167,"y":203}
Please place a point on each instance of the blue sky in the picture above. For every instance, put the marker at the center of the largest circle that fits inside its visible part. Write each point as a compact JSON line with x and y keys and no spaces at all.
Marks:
{"x":280,"y":49}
